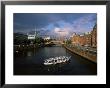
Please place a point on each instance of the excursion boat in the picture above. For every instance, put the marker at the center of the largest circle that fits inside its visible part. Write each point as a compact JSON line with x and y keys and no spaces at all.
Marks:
{"x":56,"y":60}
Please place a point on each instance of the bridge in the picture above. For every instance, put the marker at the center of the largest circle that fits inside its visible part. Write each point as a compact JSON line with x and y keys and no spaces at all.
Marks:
{"x":56,"y":42}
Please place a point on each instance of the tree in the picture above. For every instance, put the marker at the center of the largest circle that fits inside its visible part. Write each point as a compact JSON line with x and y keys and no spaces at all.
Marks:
{"x":39,"y":40}
{"x":68,"y":42}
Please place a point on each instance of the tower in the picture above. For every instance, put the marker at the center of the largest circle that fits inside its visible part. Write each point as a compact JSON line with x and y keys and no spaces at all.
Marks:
{"x":35,"y":30}
{"x":27,"y":34}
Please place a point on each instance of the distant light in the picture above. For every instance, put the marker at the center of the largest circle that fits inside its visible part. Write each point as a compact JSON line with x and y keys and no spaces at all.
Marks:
{"x":16,"y":51}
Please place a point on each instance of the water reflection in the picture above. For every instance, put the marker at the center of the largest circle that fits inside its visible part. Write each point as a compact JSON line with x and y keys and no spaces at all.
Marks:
{"x":31,"y":63}
{"x":29,"y":53}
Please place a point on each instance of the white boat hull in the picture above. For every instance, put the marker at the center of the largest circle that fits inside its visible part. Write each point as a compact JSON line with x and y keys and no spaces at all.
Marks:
{"x":56,"y":60}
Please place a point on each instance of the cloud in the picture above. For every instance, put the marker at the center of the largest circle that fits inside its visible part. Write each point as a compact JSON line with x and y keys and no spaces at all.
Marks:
{"x":84,"y":23}
{"x":55,"y":23}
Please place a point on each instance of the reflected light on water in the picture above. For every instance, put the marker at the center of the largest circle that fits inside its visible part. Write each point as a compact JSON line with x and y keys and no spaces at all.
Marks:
{"x":29,"y":53}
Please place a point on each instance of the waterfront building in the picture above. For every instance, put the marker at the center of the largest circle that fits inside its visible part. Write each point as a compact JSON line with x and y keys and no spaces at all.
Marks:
{"x":75,"y":39}
{"x":94,"y":37}
{"x":32,"y":36}
{"x":47,"y":38}
{"x":82,"y":40}
{"x":85,"y":39}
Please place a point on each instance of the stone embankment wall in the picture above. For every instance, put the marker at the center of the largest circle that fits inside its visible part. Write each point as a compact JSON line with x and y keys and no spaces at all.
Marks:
{"x":84,"y":54}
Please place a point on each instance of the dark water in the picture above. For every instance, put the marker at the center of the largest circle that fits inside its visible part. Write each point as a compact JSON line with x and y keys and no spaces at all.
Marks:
{"x":31,"y":63}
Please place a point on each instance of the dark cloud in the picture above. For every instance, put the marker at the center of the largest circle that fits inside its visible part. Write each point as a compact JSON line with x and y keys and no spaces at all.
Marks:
{"x":46,"y":23}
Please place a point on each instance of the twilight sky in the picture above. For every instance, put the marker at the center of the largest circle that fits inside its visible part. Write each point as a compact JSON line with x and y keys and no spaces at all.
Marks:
{"x":55,"y":24}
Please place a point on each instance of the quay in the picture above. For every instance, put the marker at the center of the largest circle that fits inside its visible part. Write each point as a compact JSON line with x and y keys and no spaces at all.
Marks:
{"x":82,"y":53}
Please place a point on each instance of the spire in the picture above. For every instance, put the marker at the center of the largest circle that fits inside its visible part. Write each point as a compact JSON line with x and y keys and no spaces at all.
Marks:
{"x":35,"y":30}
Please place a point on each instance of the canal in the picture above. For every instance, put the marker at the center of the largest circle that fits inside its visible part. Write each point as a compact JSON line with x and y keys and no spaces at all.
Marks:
{"x":31,"y":63}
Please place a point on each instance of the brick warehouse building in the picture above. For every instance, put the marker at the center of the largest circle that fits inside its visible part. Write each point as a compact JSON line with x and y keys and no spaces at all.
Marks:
{"x":86,"y":39}
{"x":94,"y":36}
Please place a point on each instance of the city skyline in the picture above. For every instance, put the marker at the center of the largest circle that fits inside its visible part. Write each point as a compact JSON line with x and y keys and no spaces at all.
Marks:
{"x":63,"y":24}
